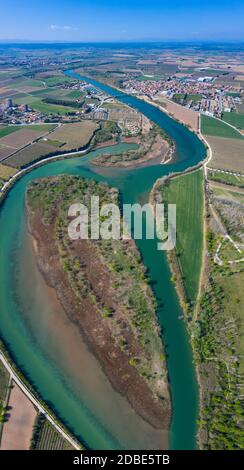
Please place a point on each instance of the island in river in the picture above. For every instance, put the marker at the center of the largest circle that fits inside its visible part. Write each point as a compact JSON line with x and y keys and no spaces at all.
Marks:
{"x":102,"y":287}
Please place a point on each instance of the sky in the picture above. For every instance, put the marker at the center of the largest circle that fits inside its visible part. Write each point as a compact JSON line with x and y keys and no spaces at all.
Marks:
{"x":123,"y":20}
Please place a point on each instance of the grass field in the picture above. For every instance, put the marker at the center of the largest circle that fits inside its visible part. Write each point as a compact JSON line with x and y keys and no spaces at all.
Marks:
{"x":233,"y":306}
{"x":57,"y":80}
{"x":6,"y":172}
{"x":225,"y":192}
{"x":214,"y":127}
{"x":226,"y":178}
{"x":29,"y":83}
{"x":179,"y":96}
{"x":46,"y":108}
{"x":75,"y":94}
{"x":186,"y":192}
{"x":236,"y":119}
{"x":194,"y":97}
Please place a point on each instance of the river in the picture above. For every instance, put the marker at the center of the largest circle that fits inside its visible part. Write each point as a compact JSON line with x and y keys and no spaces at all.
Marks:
{"x":46,"y":347}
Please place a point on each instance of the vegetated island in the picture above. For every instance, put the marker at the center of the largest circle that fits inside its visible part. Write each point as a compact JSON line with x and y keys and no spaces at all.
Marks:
{"x":153,"y":144}
{"x":103,"y":289}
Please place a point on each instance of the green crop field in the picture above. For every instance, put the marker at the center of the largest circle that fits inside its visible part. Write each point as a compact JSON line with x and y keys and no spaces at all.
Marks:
{"x":25,"y":82}
{"x":58,"y":80}
{"x":75,"y":94}
{"x":4,"y":380}
{"x":52,"y":108}
{"x":212,"y":126}
{"x":186,"y":192}
{"x":194,"y":97}
{"x":236,"y":119}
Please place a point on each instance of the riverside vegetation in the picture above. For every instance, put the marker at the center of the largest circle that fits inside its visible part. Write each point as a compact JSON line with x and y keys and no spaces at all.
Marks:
{"x":151,"y":144}
{"x":219,"y":354}
{"x":215,"y":322}
{"x":106,"y":290}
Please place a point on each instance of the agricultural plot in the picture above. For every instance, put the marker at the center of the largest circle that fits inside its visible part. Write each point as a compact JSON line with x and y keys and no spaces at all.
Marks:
{"x":47,"y":108}
{"x":215,"y":127}
{"x":17,"y":431}
{"x":75,"y":94}
{"x":226,"y":178}
{"x":4,"y":380}
{"x":50,"y":439}
{"x":58,"y":80}
{"x":228,"y":154}
{"x":186,"y":191}
{"x":26,"y":85}
{"x":224,"y":192}
{"x":30,"y":154}
{"x":14,"y":138}
{"x":236,"y":119}
{"x":21,"y":137}
{"x":76,"y":135}
{"x":6,"y":172}
{"x":6,"y":130}
{"x":5,"y":152}
{"x":185,"y":115}
{"x":5,"y":92}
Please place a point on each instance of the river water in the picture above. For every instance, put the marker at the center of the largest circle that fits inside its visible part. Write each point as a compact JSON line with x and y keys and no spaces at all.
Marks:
{"x":47,"y":348}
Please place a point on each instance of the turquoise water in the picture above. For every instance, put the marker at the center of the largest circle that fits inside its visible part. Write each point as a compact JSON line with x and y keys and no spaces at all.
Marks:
{"x":32,"y":337}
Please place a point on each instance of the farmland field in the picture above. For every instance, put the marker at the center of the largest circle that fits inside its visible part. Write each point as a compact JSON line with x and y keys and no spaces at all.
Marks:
{"x":222,"y":191}
{"x":46,"y":108}
{"x":226,"y":178}
{"x":4,"y":379}
{"x":23,"y":136}
{"x":186,"y":191}
{"x":236,"y":119}
{"x":5,"y":152}
{"x":57,"y":80}
{"x":228,"y":154}
{"x":75,"y":94}
{"x":30,"y":154}
{"x":17,"y":430}
{"x":50,"y":439}
{"x":185,"y":115}
{"x":214,"y":127}
{"x":75,"y":135}
{"x":6,"y":172}
{"x":6,"y":130}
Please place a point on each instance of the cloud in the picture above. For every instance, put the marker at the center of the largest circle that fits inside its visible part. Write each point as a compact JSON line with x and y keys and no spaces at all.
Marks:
{"x":55,"y":27}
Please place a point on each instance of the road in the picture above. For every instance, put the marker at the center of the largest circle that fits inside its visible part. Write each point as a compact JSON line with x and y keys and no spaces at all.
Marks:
{"x":36,"y":403}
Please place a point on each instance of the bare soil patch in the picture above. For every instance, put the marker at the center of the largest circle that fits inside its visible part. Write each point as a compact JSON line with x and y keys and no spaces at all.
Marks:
{"x":228,"y":154}
{"x":17,"y":431}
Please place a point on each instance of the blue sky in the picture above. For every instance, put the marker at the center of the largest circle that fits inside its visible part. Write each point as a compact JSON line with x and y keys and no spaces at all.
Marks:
{"x":107,"y":20}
